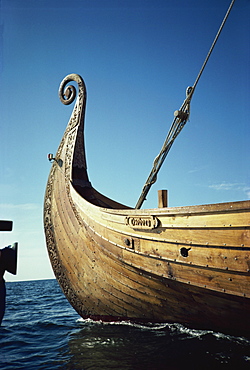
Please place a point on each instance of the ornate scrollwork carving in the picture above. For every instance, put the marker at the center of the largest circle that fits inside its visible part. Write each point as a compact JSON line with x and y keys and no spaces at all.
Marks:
{"x":52,"y":247}
{"x":72,"y":150}
{"x":67,"y":94}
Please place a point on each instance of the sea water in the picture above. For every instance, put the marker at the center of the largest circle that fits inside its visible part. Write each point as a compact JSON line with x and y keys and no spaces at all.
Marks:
{"x":40,"y":330}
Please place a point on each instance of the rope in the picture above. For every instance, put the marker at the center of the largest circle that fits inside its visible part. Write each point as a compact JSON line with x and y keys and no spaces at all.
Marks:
{"x":213,"y":44}
{"x":181,"y":117}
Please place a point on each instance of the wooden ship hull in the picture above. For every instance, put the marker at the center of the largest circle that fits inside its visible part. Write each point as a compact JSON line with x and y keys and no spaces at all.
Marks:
{"x":188,"y":265}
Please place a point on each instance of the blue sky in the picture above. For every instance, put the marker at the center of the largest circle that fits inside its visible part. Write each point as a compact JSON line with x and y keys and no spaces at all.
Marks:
{"x":137,"y":58}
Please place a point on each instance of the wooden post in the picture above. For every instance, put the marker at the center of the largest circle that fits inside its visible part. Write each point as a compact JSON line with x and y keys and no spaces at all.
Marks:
{"x":162,"y":198}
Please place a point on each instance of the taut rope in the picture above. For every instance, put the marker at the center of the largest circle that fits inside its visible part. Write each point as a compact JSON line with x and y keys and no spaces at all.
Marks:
{"x":181,"y":117}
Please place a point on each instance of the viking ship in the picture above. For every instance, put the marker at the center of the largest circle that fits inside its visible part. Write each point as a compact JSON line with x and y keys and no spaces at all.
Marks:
{"x":189,"y":265}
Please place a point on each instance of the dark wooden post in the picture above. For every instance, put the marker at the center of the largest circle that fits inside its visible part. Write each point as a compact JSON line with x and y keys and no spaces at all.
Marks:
{"x":162,"y":198}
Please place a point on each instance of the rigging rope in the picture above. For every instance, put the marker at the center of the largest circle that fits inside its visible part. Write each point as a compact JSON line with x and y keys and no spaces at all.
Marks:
{"x":181,"y":117}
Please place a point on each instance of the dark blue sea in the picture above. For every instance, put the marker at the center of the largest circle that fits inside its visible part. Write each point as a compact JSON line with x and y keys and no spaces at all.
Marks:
{"x":40,"y":330}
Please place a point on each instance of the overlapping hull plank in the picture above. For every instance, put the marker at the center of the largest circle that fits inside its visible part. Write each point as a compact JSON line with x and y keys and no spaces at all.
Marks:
{"x":183,"y":264}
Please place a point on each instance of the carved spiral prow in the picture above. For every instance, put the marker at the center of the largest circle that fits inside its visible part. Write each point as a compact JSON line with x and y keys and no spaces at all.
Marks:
{"x":67,"y":94}
{"x":73,"y":138}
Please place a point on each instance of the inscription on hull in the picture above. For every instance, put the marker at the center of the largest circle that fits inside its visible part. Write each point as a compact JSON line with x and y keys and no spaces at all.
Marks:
{"x":142,"y":222}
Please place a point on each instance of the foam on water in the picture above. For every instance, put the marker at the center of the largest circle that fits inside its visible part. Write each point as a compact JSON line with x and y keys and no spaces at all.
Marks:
{"x":172,"y":327}
{"x":148,"y":326}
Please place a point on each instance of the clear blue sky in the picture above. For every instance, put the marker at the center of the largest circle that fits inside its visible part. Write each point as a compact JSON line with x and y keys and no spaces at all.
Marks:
{"x":137,"y":58}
